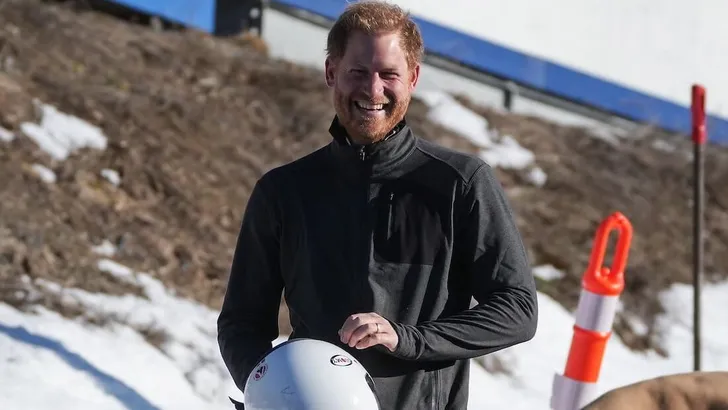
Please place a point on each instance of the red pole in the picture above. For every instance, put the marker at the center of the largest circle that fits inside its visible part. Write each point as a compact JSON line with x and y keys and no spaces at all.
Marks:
{"x":699,"y":139}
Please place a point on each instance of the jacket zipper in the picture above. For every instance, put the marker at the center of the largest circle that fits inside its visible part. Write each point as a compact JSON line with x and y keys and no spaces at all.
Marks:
{"x":361,"y":279}
{"x":390,"y":215}
{"x":436,"y":395}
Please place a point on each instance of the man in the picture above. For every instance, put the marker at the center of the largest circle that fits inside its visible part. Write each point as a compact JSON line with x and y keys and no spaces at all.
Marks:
{"x":380,"y":240}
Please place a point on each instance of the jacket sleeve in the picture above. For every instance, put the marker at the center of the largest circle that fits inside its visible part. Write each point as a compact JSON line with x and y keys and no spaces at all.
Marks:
{"x":488,"y":249}
{"x":248,"y":320}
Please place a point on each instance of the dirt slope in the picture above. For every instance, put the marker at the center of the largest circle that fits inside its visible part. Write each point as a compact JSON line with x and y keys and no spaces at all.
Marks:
{"x":194,"y":121}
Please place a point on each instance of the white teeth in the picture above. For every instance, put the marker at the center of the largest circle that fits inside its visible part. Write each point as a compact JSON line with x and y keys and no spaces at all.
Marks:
{"x":367,"y":106}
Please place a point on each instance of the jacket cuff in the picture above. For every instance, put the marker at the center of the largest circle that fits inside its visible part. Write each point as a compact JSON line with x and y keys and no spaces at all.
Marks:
{"x":408,"y":340}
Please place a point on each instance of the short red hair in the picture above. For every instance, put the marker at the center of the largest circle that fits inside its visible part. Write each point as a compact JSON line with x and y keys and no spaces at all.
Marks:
{"x":373,"y":17}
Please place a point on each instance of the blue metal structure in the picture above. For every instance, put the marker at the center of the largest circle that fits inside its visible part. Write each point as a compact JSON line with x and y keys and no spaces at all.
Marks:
{"x":219,"y":17}
{"x":199,"y":14}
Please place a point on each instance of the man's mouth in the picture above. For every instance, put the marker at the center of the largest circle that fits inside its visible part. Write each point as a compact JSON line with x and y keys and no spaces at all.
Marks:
{"x":367,"y":106}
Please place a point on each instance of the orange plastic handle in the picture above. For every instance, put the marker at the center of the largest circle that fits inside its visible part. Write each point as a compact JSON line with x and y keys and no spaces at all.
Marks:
{"x":600,"y":279}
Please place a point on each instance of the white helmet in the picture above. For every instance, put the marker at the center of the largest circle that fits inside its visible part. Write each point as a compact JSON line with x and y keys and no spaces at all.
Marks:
{"x":308,"y":374}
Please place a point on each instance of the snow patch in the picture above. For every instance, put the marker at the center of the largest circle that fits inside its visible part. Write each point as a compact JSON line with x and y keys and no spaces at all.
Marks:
{"x":547,"y":272}
{"x":44,"y":173}
{"x":106,"y":248}
{"x":6,"y":135}
{"x":508,"y":154}
{"x":537,"y":176}
{"x":118,"y":271}
{"x":498,"y":151}
{"x":111,"y":176}
{"x":663,"y":145}
{"x":188,"y":337}
{"x":60,"y":134}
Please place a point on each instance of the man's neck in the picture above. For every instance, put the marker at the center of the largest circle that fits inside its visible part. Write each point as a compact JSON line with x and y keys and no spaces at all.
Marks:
{"x":354,"y":142}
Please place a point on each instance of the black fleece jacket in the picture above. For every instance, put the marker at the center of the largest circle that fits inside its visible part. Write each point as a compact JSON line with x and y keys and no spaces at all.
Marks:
{"x":404,"y":228}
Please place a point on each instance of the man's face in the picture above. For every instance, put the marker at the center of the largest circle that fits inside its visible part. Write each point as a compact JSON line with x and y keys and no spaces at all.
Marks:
{"x":372,"y":85}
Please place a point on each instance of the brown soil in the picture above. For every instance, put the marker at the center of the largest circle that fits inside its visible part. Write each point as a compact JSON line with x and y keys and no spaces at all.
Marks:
{"x":193,"y":121}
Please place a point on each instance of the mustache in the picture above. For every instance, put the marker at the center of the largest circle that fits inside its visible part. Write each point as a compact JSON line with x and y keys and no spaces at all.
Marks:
{"x":371,"y":101}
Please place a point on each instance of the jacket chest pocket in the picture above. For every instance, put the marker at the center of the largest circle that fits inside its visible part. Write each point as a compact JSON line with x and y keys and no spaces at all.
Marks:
{"x":409,"y":227}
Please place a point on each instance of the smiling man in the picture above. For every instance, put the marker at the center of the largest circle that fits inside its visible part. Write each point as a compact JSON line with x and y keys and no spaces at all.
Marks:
{"x":380,"y":240}
{"x":372,"y":80}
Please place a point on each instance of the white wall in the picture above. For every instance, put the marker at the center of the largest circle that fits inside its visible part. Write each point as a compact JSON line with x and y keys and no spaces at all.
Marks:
{"x":660,"y":47}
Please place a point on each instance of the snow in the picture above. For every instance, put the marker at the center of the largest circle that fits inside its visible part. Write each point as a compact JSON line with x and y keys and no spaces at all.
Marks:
{"x":537,"y":176}
{"x":60,"y":134}
{"x":112,"y":366}
{"x":111,"y":176}
{"x":445,"y":110}
{"x":44,"y":173}
{"x":105,"y":248}
{"x":508,"y":154}
{"x":677,"y":324}
{"x":94,"y":368}
{"x":120,"y":272}
{"x":75,"y":364}
{"x":497,"y":151}
{"x":6,"y":135}
{"x":547,"y":272}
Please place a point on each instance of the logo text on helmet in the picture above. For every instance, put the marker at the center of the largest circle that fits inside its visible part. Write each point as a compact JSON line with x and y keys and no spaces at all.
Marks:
{"x":260,"y":372}
{"x":340,"y":360}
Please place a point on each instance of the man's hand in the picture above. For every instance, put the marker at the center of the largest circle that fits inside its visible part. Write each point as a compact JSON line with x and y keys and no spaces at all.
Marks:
{"x":364,"y":330}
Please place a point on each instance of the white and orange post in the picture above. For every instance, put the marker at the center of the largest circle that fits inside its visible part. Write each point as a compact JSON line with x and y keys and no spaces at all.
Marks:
{"x":601,"y":288}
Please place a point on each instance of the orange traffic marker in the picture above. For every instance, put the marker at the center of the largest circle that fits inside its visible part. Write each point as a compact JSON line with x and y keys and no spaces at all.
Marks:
{"x":601,"y":287}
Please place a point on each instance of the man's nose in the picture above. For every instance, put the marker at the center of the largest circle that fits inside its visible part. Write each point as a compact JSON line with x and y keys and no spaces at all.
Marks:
{"x":374,"y":86}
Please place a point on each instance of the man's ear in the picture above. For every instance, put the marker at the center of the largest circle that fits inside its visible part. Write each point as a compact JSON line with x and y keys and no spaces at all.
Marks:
{"x":329,"y":71}
{"x":414,"y":76}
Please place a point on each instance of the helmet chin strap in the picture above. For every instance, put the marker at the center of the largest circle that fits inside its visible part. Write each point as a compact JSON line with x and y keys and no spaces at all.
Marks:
{"x":238,"y":405}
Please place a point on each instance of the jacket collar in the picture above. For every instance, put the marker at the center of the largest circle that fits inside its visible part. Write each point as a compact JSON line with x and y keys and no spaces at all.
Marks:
{"x":380,"y":156}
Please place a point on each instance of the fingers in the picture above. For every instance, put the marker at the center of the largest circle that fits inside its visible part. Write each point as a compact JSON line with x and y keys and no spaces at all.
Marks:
{"x":371,"y":340}
{"x":364,"y":331}
{"x":353,"y":324}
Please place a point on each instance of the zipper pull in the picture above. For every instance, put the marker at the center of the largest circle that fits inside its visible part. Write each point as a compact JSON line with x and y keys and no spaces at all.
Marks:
{"x":362,"y":154}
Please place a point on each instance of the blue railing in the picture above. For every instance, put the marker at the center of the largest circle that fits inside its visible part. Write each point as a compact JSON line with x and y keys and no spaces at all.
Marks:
{"x":199,"y":14}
